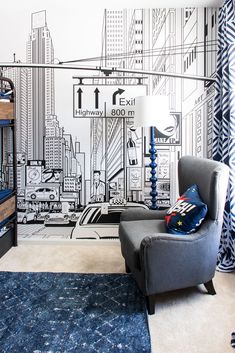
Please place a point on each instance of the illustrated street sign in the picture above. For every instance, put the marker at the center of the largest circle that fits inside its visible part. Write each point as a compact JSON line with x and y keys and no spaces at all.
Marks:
{"x":103,"y":101}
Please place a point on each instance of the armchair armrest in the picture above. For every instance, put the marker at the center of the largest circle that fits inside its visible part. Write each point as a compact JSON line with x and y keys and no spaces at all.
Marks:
{"x":178,"y":261}
{"x":137,"y":213}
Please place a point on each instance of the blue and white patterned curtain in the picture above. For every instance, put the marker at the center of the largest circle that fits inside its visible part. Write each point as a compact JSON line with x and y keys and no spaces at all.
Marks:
{"x":224,"y":126}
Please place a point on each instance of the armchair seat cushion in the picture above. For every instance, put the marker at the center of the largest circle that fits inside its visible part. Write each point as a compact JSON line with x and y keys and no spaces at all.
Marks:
{"x":131,"y":235}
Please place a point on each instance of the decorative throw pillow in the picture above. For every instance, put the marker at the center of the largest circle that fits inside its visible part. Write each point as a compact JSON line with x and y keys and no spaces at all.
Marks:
{"x":186,"y":215}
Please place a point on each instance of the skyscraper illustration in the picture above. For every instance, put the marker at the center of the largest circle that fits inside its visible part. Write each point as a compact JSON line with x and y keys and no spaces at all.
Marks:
{"x":113,"y":40}
{"x":41,"y":101}
{"x":54,"y":145}
{"x":137,"y":40}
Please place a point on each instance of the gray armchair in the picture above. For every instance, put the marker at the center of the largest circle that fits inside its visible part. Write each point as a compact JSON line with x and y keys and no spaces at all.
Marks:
{"x":162,"y":262}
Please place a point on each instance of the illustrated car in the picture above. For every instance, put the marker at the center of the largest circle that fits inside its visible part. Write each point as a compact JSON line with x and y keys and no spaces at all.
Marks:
{"x":60,"y":218}
{"x":24,"y":216}
{"x":42,"y":194}
{"x":41,"y":216}
{"x":101,"y":220}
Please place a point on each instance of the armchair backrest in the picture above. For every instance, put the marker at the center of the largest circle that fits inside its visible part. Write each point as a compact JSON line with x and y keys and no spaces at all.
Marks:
{"x":211,"y":178}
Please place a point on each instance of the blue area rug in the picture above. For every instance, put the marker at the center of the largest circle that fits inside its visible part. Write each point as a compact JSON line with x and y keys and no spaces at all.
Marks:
{"x":71,"y":313}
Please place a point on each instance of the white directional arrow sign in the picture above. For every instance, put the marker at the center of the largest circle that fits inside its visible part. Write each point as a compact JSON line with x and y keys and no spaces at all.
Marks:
{"x":94,"y":101}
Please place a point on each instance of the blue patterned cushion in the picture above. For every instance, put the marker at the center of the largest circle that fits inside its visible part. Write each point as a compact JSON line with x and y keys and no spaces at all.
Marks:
{"x":186,"y":215}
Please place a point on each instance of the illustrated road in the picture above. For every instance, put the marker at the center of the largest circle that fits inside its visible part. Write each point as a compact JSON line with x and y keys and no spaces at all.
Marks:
{"x":39,"y":231}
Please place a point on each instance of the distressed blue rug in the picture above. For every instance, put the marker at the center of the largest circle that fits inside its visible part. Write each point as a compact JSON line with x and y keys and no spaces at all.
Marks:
{"x":71,"y":313}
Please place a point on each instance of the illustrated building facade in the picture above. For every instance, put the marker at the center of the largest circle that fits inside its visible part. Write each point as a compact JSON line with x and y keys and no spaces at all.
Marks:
{"x":199,"y":37}
{"x":171,"y":40}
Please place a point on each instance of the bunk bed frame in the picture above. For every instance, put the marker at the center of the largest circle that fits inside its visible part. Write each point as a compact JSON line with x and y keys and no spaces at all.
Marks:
{"x":8,"y":180}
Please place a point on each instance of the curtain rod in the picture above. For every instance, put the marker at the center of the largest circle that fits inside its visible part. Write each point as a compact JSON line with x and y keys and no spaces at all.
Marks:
{"x":106,"y":70}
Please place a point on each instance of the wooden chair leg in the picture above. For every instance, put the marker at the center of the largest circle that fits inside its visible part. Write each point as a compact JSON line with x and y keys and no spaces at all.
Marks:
{"x":127,"y":268}
{"x":210,"y":287}
{"x":150,"y":302}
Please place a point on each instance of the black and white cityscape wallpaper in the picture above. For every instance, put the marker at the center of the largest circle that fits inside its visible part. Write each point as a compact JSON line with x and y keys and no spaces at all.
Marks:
{"x":77,"y":147}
